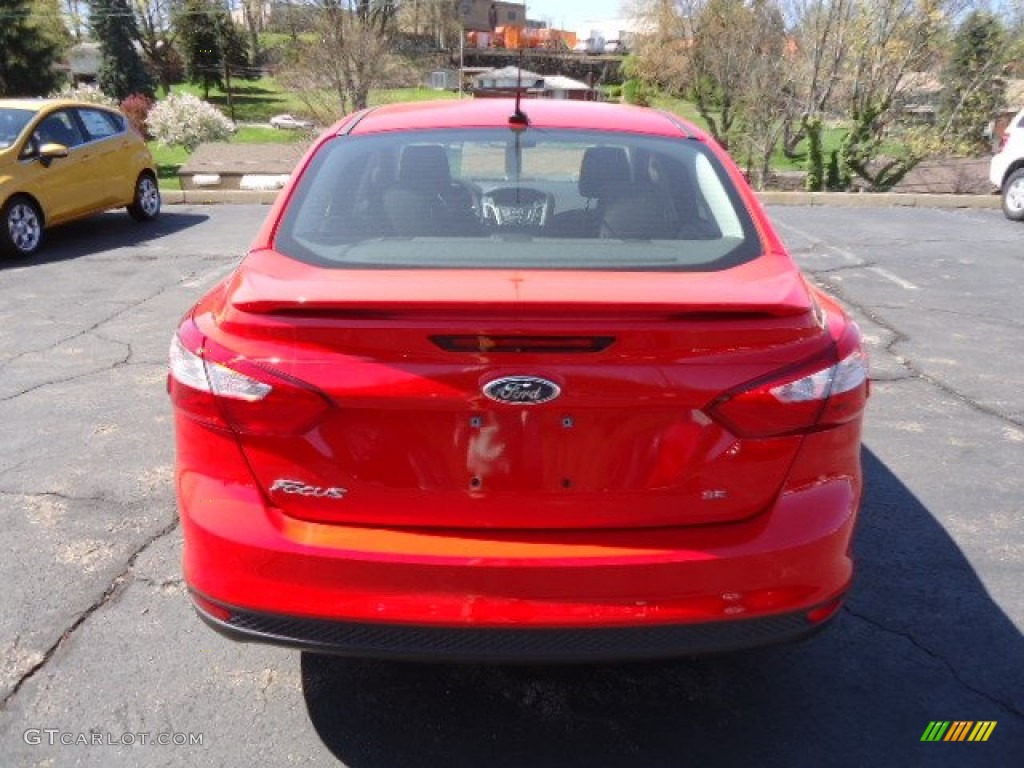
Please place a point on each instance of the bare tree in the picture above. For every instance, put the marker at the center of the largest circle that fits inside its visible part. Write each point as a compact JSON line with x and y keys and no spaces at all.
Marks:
{"x":76,"y":21}
{"x":730,"y":58}
{"x":820,"y":33}
{"x":156,"y":36}
{"x":661,"y":49}
{"x":438,"y":19}
{"x":765,"y":99}
{"x":889,"y":40}
{"x":725,"y":49}
{"x":352,"y":54}
{"x":255,"y":23}
{"x":854,"y":60}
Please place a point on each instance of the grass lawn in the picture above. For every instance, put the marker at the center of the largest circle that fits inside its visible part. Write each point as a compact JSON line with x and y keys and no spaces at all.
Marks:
{"x":168,"y":160}
{"x":256,"y":101}
{"x":684,"y":109}
{"x":393,"y":95}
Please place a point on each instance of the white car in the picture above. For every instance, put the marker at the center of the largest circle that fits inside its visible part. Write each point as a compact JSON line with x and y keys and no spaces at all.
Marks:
{"x":290,"y":122}
{"x":1006,"y":170}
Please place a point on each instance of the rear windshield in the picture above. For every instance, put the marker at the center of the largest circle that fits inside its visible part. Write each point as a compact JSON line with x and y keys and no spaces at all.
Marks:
{"x":537,"y":199}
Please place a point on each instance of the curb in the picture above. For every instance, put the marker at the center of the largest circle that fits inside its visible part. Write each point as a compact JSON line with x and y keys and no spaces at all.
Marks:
{"x":217,"y":196}
{"x":881,"y":199}
{"x":836,"y":199}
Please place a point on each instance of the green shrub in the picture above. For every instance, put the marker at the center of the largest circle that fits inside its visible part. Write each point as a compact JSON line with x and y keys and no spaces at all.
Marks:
{"x":635,"y":91}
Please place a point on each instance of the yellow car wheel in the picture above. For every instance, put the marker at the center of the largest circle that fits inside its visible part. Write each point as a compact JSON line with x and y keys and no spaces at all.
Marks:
{"x":21,"y":227}
{"x":146,"y":205}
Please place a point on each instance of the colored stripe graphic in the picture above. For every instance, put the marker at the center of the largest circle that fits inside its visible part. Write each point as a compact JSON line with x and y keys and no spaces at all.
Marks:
{"x":982,"y":730}
{"x":958,"y":730}
{"x":935,"y":730}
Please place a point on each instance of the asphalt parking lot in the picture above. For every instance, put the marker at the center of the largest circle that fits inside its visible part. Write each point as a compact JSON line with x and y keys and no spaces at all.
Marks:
{"x":101,"y":655}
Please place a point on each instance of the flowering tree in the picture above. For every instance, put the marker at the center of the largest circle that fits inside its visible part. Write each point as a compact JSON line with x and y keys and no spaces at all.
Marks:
{"x":183,"y":120}
{"x":88,"y":93}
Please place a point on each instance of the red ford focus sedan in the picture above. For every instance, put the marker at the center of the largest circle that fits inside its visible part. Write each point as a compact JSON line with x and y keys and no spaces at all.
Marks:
{"x":500,"y":383}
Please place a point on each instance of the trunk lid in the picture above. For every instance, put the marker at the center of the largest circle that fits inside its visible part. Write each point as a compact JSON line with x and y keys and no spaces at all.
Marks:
{"x":413,"y":438}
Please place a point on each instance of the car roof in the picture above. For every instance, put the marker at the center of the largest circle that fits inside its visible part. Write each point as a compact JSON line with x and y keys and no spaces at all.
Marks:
{"x":38,"y":105}
{"x":542,"y":113}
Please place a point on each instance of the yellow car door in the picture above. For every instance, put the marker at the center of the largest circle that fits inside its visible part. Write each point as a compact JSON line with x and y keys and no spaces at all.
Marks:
{"x":65,"y":187}
{"x":110,"y":152}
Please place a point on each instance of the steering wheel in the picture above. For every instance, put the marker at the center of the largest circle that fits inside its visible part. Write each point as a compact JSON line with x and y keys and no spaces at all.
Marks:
{"x":519,"y":207}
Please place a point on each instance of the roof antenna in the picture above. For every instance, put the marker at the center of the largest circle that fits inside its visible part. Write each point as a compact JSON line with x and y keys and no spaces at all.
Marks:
{"x":519,"y":119}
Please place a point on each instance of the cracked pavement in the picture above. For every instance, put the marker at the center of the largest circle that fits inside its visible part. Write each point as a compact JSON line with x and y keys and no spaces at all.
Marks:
{"x":97,"y":636}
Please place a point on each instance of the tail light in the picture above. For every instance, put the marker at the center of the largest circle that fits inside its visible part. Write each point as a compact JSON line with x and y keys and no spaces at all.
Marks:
{"x":1003,"y":140}
{"x":816,"y":395}
{"x":223,"y":390}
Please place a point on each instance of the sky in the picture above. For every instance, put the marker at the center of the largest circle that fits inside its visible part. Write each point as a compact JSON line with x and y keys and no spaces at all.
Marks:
{"x":573,"y":14}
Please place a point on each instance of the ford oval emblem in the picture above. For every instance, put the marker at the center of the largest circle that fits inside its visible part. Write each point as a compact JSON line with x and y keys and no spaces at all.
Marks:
{"x":522,"y":390}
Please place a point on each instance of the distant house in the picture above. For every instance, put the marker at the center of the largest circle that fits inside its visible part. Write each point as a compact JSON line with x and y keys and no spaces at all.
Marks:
{"x":560,"y":87}
{"x":504,"y":82}
{"x":917,"y":96}
{"x":919,"y":93}
{"x":84,"y":62}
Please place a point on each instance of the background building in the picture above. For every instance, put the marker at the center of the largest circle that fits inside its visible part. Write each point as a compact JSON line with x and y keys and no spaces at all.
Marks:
{"x":486,"y":16}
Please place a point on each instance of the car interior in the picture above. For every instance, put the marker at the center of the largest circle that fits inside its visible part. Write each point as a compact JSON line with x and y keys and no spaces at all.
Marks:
{"x":56,"y":129}
{"x":377,"y":189}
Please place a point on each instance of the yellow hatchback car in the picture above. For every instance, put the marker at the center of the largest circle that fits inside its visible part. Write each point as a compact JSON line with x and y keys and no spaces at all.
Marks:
{"x":62,"y":160}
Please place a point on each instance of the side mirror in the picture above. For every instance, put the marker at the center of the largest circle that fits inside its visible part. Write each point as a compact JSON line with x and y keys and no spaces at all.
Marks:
{"x":50,"y":152}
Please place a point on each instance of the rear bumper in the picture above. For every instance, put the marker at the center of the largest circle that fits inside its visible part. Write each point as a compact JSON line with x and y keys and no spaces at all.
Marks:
{"x":508,"y":645}
{"x":533,"y":595}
